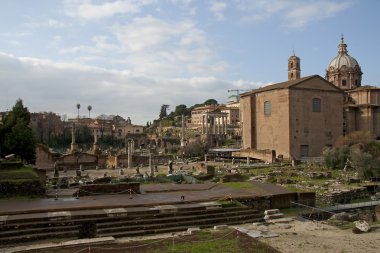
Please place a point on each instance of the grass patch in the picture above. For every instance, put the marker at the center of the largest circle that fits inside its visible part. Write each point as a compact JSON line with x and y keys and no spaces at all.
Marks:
{"x":241,"y":185}
{"x":227,"y":203}
{"x":225,"y":241}
{"x":23,"y":173}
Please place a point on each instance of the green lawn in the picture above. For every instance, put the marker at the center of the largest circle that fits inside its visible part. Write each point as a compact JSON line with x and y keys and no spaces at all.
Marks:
{"x":206,"y":241}
{"x":241,"y":185}
{"x":23,"y":173}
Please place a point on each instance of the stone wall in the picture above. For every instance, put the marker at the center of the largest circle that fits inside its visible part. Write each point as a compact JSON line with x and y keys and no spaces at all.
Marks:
{"x":265,"y":155}
{"x":44,"y":158}
{"x":260,"y":204}
{"x":282,"y":200}
{"x":306,"y":198}
{"x":206,"y":169}
{"x":73,"y":161}
{"x":342,"y":197}
{"x":122,"y":160}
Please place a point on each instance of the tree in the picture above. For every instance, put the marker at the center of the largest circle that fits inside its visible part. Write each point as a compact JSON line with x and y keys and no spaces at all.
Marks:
{"x":16,"y":136}
{"x":360,"y":149}
{"x":89,"y":108}
{"x":210,"y":101}
{"x":163,"y":111}
{"x":78,"y":107}
{"x":193,"y":149}
{"x":181,"y":110}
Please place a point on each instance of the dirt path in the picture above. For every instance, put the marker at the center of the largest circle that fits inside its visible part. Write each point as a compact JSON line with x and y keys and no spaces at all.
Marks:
{"x":312,"y":237}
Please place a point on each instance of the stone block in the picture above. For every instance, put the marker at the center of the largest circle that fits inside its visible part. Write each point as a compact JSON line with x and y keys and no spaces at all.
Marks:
{"x":167,"y":209}
{"x":361,"y":226}
{"x":218,"y":227}
{"x":211,"y":205}
{"x":114,"y":212}
{"x":63,"y":215}
{"x":282,"y":220}
{"x":3,"y":219}
{"x":270,"y":235}
{"x":255,"y":234}
{"x":192,"y":231}
{"x":273,"y":216}
{"x":271,"y":211}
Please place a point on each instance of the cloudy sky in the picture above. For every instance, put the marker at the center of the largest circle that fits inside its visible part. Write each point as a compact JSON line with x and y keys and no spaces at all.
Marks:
{"x":128,"y":57}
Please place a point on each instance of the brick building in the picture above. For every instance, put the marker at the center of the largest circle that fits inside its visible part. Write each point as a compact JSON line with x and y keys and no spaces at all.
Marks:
{"x":297,"y":118}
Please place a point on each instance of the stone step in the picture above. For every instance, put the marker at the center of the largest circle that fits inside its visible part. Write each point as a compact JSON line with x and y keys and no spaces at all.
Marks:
{"x":174,"y":228}
{"x":173,"y":218}
{"x":43,"y":219}
{"x":273,"y":216}
{"x":183,"y":222}
{"x":271,"y":211}
{"x":38,"y":236}
{"x":134,"y":216}
{"x":28,"y":231}
{"x":150,"y":222}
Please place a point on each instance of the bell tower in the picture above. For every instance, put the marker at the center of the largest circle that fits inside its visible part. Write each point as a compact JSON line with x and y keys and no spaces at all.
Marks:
{"x":294,"y":68}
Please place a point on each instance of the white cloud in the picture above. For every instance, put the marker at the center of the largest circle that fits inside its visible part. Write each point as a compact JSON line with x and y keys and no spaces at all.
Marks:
{"x":295,"y":13}
{"x":217,"y":8}
{"x":46,"y":85}
{"x":85,"y":9}
{"x":57,"y":24}
{"x":244,"y":85}
{"x":144,"y":33}
{"x":299,"y":17}
{"x":166,"y":48}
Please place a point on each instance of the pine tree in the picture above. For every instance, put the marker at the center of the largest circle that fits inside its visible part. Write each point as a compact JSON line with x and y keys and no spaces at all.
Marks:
{"x":16,"y":136}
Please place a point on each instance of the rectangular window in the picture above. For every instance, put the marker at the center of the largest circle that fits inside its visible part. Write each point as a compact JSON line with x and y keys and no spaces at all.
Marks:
{"x":304,"y":150}
{"x":344,"y":82}
{"x":267,"y":108}
{"x":316,"y":105}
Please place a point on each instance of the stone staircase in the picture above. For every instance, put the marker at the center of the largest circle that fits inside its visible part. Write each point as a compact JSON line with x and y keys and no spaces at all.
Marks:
{"x":121,"y":222}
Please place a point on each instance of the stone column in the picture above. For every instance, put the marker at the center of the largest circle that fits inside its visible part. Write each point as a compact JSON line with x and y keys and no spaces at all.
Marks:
{"x":73,"y":147}
{"x":248,"y":160}
{"x":203,"y":124}
{"x":72,"y":134}
{"x":207,"y":124}
{"x":215,"y":124}
{"x":95,"y":145}
{"x":151,"y":165}
{"x":183,"y":131}
{"x":224,"y":123}
{"x":129,"y":154}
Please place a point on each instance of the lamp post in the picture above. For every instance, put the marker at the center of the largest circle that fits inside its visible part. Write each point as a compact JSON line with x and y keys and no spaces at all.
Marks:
{"x":78,"y":107}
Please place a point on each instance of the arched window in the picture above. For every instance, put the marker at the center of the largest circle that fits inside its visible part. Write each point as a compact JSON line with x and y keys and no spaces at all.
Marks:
{"x":267,"y":108}
{"x":344,"y":82}
{"x":291,"y":65}
{"x":316,"y":105}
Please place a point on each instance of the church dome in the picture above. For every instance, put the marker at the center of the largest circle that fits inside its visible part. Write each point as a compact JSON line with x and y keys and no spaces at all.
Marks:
{"x":344,"y":71}
{"x":343,"y":58}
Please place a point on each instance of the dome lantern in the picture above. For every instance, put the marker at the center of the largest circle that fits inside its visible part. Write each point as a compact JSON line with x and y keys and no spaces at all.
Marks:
{"x":344,"y":71}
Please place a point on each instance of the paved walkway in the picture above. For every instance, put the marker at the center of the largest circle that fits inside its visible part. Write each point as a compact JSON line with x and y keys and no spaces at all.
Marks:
{"x":192,"y":193}
{"x":359,"y":205}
